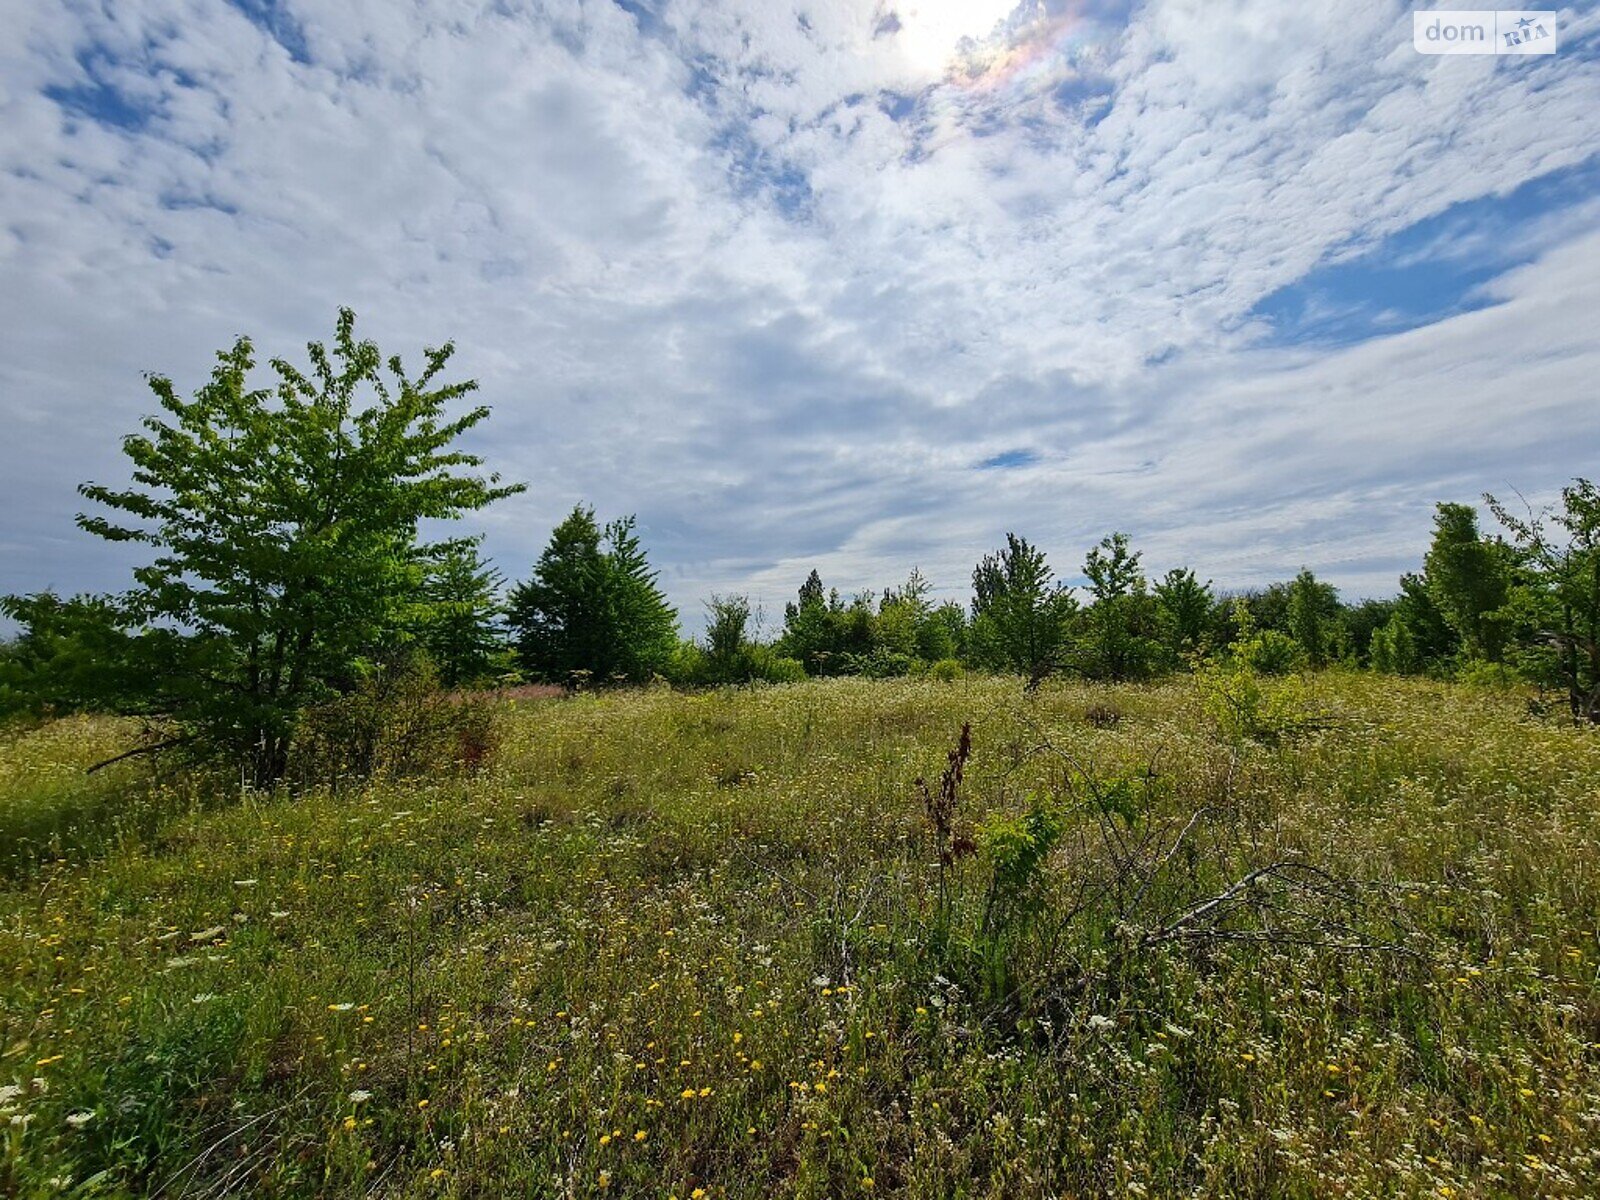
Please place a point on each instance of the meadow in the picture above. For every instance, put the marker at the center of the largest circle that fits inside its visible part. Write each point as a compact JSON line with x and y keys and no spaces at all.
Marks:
{"x":724,"y":945}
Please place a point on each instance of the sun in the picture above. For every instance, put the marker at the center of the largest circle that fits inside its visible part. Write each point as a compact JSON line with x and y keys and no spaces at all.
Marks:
{"x":931,"y":30}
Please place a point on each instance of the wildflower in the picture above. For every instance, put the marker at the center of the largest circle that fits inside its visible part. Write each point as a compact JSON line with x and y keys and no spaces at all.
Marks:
{"x":640,"y":1136}
{"x":345,"y":1006}
{"x":79,"y":1119}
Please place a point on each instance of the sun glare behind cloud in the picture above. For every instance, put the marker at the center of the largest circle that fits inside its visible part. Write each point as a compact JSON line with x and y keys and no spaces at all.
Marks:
{"x":932,"y":30}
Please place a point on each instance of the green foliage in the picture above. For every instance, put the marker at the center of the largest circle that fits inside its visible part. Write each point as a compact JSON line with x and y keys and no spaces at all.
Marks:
{"x":942,"y":634}
{"x":728,"y":646}
{"x":592,"y":609}
{"x":284,"y":521}
{"x":1247,"y":704}
{"x":1183,"y":613}
{"x":1393,"y":648}
{"x":1469,"y":580}
{"x":77,"y":655}
{"x":1359,"y":623}
{"x":1416,"y":639}
{"x":946,"y":670}
{"x":1117,"y":637}
{"x":898,"y":636}
{"x":460,"y":625}
{"x":1015,"y":848}
{"x":1313,"y":618}
{"x":1554,"y":601}
{"x":1263,"y":651}
{"x":1019,"y":615}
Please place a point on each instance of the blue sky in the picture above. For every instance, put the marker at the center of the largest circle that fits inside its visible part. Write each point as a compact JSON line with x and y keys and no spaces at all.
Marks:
{"x":852,"y":284}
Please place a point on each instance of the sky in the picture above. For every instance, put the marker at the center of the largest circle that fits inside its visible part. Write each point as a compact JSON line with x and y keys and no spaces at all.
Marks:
{"x":858,"y":285}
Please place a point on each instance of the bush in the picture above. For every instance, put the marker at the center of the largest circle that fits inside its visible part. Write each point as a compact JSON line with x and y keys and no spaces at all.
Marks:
{"x":880,"y":663}
{"x":1492,"y":676}
{"x":1249,"y":705}
{"x":1271,"y":653}
{"x":771,"y":667}
{"x":946,"y":670}
{"x":395,"y":723}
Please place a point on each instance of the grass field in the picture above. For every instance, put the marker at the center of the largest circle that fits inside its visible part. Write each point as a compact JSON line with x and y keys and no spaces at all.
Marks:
{"x":702,"y":946}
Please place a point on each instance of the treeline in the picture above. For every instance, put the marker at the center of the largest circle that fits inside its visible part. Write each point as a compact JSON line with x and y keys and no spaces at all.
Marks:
{"x":289,"y":576}
{"x":1519,"y":606}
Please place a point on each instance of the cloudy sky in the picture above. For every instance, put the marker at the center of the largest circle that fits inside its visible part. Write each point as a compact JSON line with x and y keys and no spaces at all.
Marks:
{"x":854,"y":284}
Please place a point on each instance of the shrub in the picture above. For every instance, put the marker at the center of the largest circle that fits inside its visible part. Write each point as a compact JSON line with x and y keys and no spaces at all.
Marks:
{"x":1493,"y":676}
{"x":946,"y":670}
{"x":395,"y":723}
{"x":771,"y":667}
{"x":1271,"y":653}
{"x":1249,"y":705}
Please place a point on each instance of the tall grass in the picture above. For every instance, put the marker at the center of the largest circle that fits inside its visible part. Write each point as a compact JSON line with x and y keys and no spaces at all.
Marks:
{"x":678,"y":945}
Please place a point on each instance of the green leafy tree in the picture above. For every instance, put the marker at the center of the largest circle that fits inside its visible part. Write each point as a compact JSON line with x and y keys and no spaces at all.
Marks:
{"x":1360,"y":622}
{"x":728,"y":638}
{"x":1469,"y":580}
{"x":1112,"y":568}
{"x":1313,"y":617}
{"x":1183,"y":612}
{"x":1556,"y":603}
{"x":461,"y":622}
{"x":79,"y":654}
{"x":1019,"y":614}
{"x":1416,"y":639}
{"x":1115,"y":637}
{"x":1266,"y":651}
{"x":592,"y":608}
{"x":285,"y":525}
{"x":732,"y":653}
{"x":810,"y":631}
{"x":942,"y":635}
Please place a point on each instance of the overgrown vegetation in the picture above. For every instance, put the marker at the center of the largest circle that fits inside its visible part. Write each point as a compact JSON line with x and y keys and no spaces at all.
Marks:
{"x":1204,"y":902}
{"x":722,"y":944}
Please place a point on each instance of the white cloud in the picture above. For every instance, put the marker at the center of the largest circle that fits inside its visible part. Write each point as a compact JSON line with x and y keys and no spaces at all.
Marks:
{"x":702,"y":272}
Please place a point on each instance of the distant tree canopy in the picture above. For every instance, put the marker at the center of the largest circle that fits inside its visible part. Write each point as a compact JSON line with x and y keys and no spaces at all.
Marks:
{"x":592,"y":607}
{"x":1117,"y":637}
{"x":284,"y":522}
{"x":1020,"y":614}
{"x":894,"y":634}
